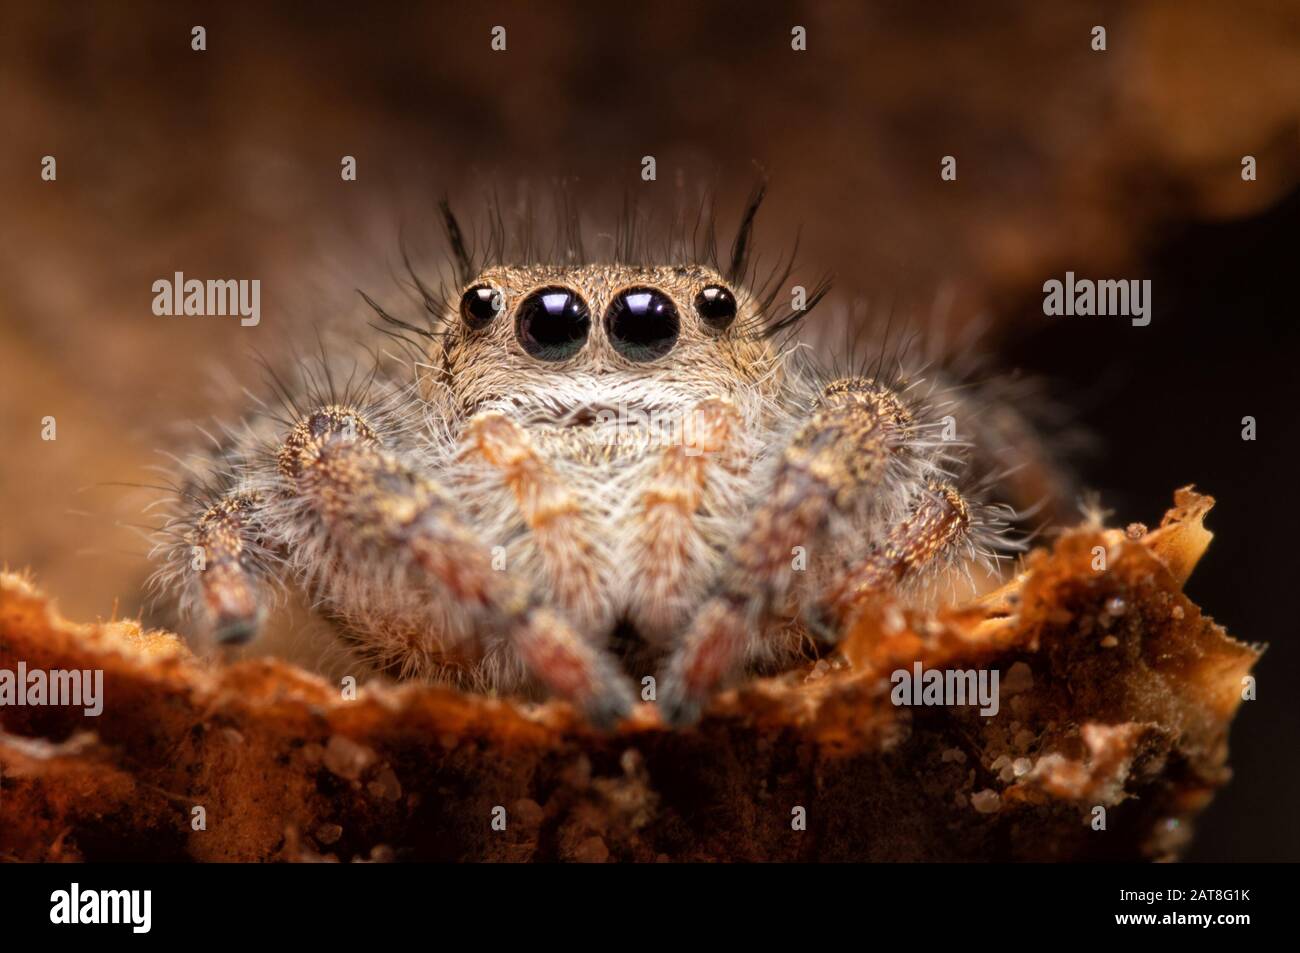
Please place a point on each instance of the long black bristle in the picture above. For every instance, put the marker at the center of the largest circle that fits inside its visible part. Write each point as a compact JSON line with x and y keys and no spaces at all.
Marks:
{"x":456,"y":238}
{"x":741,"y":246}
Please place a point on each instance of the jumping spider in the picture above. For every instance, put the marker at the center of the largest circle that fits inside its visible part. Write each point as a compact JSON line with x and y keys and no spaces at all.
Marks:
{"x":595,"y":456}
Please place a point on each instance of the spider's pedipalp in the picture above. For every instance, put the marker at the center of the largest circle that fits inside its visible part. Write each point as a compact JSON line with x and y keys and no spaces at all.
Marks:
{"x":570,"y":566}
{"x":668,"y":553}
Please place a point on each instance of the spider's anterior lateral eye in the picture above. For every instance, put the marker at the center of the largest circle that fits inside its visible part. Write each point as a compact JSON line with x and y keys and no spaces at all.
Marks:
{"x":642,"y":324}
{"x":552,"y":323}
{"x":479,"y":305}
{"x":716,"y":306}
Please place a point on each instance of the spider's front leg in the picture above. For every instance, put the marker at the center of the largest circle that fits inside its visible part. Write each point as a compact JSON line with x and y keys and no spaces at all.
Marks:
{"x":360,"y":522}
{"x":836,"y":462}
{"x":374,"y":503}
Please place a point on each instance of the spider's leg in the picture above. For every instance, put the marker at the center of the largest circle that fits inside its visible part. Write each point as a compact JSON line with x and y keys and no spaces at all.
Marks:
{"x":227,"y":592}
{"x":383,"y":519}
{"x":935,"y":529}
{"x":841,"y":455}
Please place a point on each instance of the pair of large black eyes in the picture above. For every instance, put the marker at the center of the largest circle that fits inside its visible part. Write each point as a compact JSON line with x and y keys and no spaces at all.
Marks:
{"x":552,"y":323}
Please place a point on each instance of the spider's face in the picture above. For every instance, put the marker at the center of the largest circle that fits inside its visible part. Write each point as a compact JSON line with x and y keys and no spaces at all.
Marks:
{"x":564,"y":346}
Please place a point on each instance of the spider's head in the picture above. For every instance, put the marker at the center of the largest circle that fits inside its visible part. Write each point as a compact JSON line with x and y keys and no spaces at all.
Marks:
{"x":562,"y":345}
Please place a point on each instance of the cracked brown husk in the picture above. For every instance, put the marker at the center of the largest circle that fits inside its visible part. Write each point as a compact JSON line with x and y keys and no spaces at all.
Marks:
{"x":1116,"y":693}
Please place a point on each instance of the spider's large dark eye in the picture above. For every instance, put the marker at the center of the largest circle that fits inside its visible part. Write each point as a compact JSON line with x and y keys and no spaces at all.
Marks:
{"x":717,"y":306}
{"x":552,"y":323}
{"x":479,"y":305}
{"x":642,"y":324}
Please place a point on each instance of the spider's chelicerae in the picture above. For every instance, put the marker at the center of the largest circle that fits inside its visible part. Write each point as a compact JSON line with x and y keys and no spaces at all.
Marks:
{"x":592,"y":476}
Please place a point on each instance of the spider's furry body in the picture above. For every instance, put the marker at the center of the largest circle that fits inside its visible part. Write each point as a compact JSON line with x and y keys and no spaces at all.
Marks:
{"x":590,"y":449}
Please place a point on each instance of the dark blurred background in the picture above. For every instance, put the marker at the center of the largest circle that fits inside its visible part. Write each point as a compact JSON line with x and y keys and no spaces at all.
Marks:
{"x":1122,"y":164}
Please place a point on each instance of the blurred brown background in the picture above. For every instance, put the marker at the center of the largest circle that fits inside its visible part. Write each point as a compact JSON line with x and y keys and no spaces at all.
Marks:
{"x":1122,"y":164}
